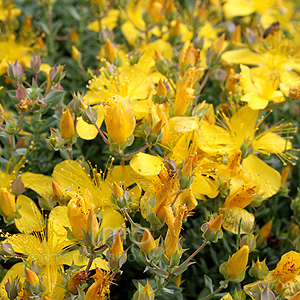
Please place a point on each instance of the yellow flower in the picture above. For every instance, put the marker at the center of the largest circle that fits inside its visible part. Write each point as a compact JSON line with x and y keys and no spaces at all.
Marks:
{"x":46,"y":248}
{"x":287,"y":271}
{"x":288,"y":267}
{"x":174,"y":222}
{"x":238,"y":262}
{"x":96,"y":190}
{"x":239,"y":133}
{"x":119,"y":118}
{"x":8,"y":11}
{"x":101,"y":287}
{"x":260,"y":87}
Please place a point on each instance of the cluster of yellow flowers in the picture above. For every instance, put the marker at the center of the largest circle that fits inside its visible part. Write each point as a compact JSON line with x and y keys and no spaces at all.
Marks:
{"x":181,"y":102}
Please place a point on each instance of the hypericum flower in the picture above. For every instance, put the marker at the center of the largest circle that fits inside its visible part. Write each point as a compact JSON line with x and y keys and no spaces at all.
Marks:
{"x":240,"y":133}
{"x":71,"y":175}
{"x":156,"y":182}
{"x":128,"y":81}
{"x":259,"y":87}
{"x":48,"y":249}
{"x":174,"y":222}
{"x":119,"y":118}
{"x":8,"y":11}
{"x":238,"y":262}
{"x":101,"y":287}
{"x":287,"y":271}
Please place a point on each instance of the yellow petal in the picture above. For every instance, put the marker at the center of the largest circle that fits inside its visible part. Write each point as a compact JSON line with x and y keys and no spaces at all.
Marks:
{"x":109,"y":21}
{"x":146,"y":164}
{"x":255,"y":102}
{"x":242,"y":56}
{"x":268,"y":179}
{"x":234,"y":8}
{"x":41,"y":184}
{"x":70,"y":174}
{"x":142,"y":108}
{"x":271,"y":143}
{"x":111,"y":220}
{"x":89,"y":131}
{"x":203,"y":185}
{"x":232,"y":217}
{"x":32,"y":219}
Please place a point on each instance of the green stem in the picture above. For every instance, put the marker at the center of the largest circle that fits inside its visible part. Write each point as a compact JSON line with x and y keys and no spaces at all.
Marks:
{"x":205,"y":80}
{"x":213,"y":293}
{"x":91,"y":259}
{"x":191,"y":257}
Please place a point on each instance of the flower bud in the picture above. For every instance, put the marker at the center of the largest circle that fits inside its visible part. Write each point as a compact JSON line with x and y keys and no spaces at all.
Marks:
{"x":74,"y":36}
{"x":66,"y":125}
{"x":117,"y":247}
{"x":116,"y":255}
{"x":147,"y":243}
{"x":259,"y":269}
{"x":76,"y":54}
{"x":77,"y":217}
{"x":161,"y":89}
{"x":91,"y":228}
{"x":216,"y":223}
{"x":58,"y":191}
{"x":35,"y":62}
{"x":117,"y":190}
{"x":238,"y":262}
{"x":31,"y":277}
{"x":6,"y":249}
{"x":189,"y":165}
{"x":18,"y":186}
{"x":264,"y":232}
{"x":13,"y":288}
{"x":75,"y":281}
{"x":21,"y":92}
{"x":15,"y":71}
{"x":7,"y":203}
{"x":56,"y":74}
{"x":189,"y":57}
{"x":110,"y":51}
{"x":119,"y":118}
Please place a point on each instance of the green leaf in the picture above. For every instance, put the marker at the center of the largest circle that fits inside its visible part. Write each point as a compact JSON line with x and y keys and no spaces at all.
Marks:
{"x":208,"y":283}
{"x":54,"y":97}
